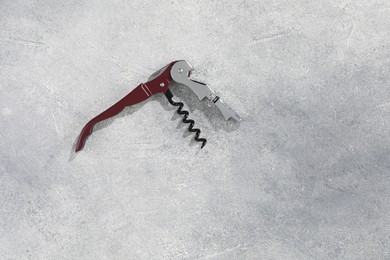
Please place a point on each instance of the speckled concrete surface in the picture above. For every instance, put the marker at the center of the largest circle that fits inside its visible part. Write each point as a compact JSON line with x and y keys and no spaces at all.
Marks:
{"x":305,"y":175}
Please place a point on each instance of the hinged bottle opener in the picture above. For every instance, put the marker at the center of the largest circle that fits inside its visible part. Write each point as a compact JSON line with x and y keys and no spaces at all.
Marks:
{"x":160,"y":81}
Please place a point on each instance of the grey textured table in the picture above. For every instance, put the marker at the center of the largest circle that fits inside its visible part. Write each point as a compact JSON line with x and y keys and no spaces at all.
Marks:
{"x":305,"y":175}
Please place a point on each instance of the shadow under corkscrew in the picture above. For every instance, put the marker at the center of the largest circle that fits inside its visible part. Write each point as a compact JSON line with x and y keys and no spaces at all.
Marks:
{"x":180,"y":111}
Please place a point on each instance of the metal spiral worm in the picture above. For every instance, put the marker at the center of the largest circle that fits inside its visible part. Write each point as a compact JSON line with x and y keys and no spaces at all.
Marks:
{"x":185,"y":119}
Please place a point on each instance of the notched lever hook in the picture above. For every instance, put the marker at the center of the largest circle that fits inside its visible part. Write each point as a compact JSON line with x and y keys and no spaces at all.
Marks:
{"x":181,"y":72}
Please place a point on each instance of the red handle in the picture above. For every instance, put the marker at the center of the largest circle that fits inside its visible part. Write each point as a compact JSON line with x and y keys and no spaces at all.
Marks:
{"x":139,"y":94}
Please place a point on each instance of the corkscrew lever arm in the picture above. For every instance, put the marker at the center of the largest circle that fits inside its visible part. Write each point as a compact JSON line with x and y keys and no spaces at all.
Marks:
{"x":134,"y":97}
{"x":181,"y":72}
{"x":159,"y":83}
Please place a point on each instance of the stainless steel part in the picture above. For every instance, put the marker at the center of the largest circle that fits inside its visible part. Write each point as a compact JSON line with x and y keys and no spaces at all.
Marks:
{"x":157,"y":73}
{"x":180,"y":72}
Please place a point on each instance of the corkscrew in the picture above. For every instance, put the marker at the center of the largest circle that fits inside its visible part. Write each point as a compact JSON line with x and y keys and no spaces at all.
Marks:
{"x":185,"y":119}
{"x":159,"y":82}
